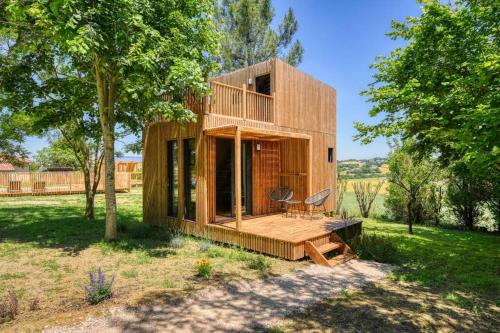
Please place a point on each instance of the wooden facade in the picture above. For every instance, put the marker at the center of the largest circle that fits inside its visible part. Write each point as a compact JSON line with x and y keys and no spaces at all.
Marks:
{"x":283,"y":118}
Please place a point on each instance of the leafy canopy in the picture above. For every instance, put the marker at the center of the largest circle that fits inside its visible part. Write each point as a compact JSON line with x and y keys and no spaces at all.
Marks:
{"x":443,"y":89}
{"x":248,"y":38}
{"x":148,"y":48}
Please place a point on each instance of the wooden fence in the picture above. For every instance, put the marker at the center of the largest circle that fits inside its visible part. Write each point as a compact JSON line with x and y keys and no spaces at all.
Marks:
{"x":54,"y":182}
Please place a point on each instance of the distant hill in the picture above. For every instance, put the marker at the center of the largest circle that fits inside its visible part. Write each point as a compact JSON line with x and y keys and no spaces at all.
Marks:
{"x":365,"y":168}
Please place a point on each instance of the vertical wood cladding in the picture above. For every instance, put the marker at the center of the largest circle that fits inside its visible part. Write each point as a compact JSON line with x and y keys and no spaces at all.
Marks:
{"x":303,"y":104}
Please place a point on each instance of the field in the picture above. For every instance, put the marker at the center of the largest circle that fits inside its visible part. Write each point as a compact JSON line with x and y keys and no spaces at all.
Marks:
{"x":47,"y":249}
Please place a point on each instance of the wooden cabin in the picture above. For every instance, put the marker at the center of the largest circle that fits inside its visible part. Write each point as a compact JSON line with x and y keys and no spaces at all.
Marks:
{"x":262,"y":127}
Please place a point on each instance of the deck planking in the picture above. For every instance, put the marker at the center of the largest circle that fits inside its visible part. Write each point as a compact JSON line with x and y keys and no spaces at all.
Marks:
{"x":289,"y":229}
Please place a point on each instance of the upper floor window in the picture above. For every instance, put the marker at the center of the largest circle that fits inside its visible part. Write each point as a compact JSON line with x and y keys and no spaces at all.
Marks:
{"x":330,"y":155}
{"x":263,"y":84}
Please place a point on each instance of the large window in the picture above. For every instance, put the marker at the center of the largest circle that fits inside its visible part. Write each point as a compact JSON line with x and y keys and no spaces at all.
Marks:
{"x":172,"y":178}
{"x":189,"y":179}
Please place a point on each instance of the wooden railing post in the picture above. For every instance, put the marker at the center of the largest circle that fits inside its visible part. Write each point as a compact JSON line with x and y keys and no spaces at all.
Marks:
{"x":237,"y":177}
{"x":244,"y":102}
{"x":206,"y":102}
{"x":273,"y":113}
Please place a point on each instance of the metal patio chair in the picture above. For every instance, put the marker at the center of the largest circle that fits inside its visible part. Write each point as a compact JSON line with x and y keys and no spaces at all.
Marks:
{"x":279,"y":195}
{"x":317,"y":200}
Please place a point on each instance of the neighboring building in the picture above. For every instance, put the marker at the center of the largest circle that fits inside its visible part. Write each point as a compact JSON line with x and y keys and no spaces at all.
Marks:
{"x":265,"y":126}
{"x":9,"y":167}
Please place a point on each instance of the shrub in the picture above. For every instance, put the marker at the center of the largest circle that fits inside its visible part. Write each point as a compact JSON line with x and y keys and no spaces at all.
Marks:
{"x":99,"y":288}
{"x":9,"y":307}
{"x":366,"y":192}
{"x":371,"y":246}
{"x":203,"y":268}
{"x":177,"y":242}
{"x":34,"y":304}
{"x":259,"y":263}
{"x":205,"y":246}
{"x":344,"y":214}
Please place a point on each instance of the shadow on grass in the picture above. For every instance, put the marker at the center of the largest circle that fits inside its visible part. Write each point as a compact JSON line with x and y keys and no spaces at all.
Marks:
{"x":65,"y":227}
{"x":408,"y":308}
{"x":444,"y":259}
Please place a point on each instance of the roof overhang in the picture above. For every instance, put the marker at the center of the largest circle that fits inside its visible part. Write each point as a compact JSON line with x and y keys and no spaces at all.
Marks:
{"x":254,"y":133}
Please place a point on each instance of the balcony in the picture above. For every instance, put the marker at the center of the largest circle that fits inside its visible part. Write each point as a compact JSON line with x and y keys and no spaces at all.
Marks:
{"x":230,"y":101}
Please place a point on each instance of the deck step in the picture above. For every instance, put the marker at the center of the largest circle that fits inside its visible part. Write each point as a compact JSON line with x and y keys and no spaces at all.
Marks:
{"x":329,"y":247}
{"x":340,"y":259}
{"x":316,"y":253}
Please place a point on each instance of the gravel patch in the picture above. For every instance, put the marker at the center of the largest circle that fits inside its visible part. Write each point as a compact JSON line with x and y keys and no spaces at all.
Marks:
{"x":238,"y":306}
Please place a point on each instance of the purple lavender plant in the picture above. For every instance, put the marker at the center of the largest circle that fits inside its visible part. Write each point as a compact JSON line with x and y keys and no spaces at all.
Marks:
{"x":99,"y":288}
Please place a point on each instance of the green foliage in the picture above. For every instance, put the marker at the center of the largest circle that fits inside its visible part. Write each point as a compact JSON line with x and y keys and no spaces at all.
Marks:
{"x":442,"y":89}
{"x":464,"y":198}
{"x":409,"y":177}
{"x":374,"y":246}
{"x":58,"y":154}
{"x":121,"y":56}
{"x":12,"y":132}
{"x":248,"y":38}
{"x":365,"y":168}
{"x":260,"y":263}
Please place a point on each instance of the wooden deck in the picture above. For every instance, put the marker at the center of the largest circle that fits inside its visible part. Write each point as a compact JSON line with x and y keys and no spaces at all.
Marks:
{"x":281,"y":236}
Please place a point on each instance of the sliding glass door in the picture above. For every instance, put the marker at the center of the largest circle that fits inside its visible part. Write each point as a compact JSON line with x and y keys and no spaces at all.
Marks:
{"x":172,"y":178}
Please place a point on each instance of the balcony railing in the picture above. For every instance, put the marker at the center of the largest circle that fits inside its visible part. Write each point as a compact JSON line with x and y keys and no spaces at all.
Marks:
{"x":241,"y":103}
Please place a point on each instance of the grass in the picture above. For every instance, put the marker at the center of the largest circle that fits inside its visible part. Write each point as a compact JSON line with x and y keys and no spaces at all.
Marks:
{"x":445,"y":280}
{"x":47,"y":249}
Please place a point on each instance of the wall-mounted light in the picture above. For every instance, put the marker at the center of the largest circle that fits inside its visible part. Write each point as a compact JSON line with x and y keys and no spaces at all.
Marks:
{"x":257,"y":147}
{"x":250,"y":81}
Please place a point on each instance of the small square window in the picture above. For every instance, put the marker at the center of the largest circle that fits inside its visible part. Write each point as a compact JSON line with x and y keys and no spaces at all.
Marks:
{"x":330,"y":155}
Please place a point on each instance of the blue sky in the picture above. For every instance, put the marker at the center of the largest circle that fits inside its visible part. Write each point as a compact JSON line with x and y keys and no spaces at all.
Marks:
{"x":341,"y":39}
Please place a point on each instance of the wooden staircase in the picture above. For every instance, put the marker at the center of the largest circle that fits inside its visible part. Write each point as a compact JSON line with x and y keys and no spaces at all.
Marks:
{"x":316,"y":253}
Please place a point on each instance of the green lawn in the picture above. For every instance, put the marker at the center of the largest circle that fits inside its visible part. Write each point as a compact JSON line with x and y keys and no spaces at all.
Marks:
{"x":451,"y":260}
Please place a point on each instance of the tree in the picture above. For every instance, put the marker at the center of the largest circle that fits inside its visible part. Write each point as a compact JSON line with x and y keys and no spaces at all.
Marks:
{"x":410,"y":175}
{"x":366,"y":192}
{"x":464,"y":196}
{"x":442,"y":90}
{"x":248,"y":38}
{"x":57,"y":155}
{"x":11,"y":137}
{"x":131,"y":52}
{"x":58,"y":100}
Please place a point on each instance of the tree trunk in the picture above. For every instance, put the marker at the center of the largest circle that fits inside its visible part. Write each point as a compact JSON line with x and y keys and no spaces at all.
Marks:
{"x":106,"y":90}
{"x":89,"y":195}
{"x":409,"y":208}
